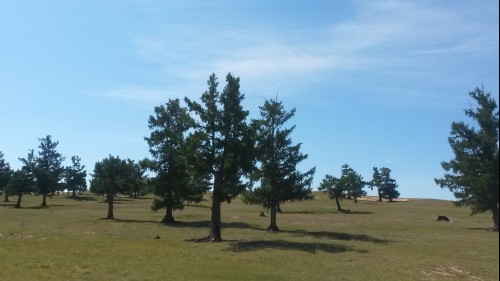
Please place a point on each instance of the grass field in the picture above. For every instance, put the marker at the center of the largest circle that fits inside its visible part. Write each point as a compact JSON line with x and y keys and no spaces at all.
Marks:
{"x":69,"y":240}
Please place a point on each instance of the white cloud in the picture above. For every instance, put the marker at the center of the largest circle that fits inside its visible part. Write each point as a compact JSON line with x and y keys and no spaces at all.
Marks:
{"x":390,"y":38}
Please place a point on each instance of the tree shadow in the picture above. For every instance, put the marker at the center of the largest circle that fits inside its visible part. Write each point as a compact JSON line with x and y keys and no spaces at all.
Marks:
{"x":339,"y":236}
{"x":332,"y":212}
{"x":247,"y":246}
{"x":207,"y":224}
{"x":482,"y":228}
{"x":81,"y":198}
{"x":7,"y":204}
{"x":132,"y":221}
{"x":49,"y":206}
{"x":198,"y":206}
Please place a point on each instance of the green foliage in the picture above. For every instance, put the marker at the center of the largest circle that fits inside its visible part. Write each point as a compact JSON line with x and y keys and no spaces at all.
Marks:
{"x":75,"y":176}
{"x":5,"y":173}
{"x":280,"y":181}
{"x":352,"y":182}
{"x":49,"y":170}
{"x":177,"y":182}
{"x":21,"y":182}
{"x":330,"y":185}
{"x":113,"y":175}
{"x":224,"y":138}
{"x":384,"y":183}
{"x":473,"y":175}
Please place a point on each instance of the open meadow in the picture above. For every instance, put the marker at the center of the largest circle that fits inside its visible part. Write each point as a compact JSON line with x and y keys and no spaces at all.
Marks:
{"x":70,"y":240}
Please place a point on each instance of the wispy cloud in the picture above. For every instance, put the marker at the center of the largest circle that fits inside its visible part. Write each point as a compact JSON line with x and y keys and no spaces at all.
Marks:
{"x":382,"y":38}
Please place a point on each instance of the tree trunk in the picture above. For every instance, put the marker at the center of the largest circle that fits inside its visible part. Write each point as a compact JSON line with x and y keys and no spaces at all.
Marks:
{"x":215,"y":232}
{"x":110,"y":204}
{"x":495,"y":217}
{"x":355,"y":199}
{"x":338,"y":203}
{"x":74,"y":192}
{"x":6,"y":198}
{"x":273,"y":226}
{"x":278,"y":208}
{"x":168,"y":218}
{"x":44,"y":200}
{"x":379,"y":196}
{"x":18,"y":203}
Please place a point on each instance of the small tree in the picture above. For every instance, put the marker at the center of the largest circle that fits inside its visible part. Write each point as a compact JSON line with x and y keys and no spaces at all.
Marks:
{"x":331,"y":185}
{"x":352,"y":183}
{"x":5,"y":174}
{"x":386,"y":186}
{"x":75,"y":176}
{"x":473,"y":175}
{"x":280,"y":181}
{"x":24,"y":180}
{"x":111,"y":175}
{"x":49,"y":170}
{"x":20,"y":183}
{"x":176,"y":182}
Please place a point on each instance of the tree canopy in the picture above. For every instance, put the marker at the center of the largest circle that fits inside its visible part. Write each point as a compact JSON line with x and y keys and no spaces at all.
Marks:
{"x":75,"y":176}
{"x":386,"y":186}
{"x":473,"y":174}
{"x":112,"y":175}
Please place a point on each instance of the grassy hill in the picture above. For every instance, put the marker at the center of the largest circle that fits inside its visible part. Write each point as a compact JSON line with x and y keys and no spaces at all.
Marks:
{"x":69,"y":240}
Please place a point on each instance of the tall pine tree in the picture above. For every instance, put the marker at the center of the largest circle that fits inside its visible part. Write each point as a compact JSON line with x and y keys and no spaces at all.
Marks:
{"x":279,"y":179}
{"x":225,"y":144}
{"x":473,"y":175}
{"x":49,"y":169}
{"x":176,"y":181}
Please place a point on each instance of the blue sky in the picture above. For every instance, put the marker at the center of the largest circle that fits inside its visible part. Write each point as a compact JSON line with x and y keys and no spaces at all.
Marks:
{"x":375,"y":83}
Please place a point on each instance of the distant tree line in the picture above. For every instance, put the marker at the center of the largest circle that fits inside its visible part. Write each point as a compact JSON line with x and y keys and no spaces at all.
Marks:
{"x":42,"y":174}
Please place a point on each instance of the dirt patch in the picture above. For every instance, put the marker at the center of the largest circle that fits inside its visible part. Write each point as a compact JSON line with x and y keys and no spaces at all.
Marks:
{"x":449,"y":271}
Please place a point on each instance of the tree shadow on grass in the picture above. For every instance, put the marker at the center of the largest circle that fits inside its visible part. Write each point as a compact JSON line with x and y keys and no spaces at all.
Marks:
{"x":247,"y":246}
{"x":186,"y":224}
{"x":132,"y":221}
{"x":48,"y":207}
{"x":81,"y":198}
{"x":332,"y":212}
{"x":482,"y":228}
{"x":339,"y":236}
{"x":207,"y":224}
{"x":7,"y":204}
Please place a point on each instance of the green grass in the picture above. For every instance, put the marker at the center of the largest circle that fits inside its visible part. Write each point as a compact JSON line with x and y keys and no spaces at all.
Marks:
{"x":70,"y":240}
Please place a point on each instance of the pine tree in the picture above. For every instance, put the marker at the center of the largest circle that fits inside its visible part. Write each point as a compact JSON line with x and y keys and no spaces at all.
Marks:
{"x":473,"y":175}
{"x":176,"y":182}
{"x":352,"y":183}
{"x":75,"y":176}
{"x":387,"y":186}
{"x":49,"y":170}
{"x":280,"y":181}
{"x":224,"y":144}
{"x":5,"y":174}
